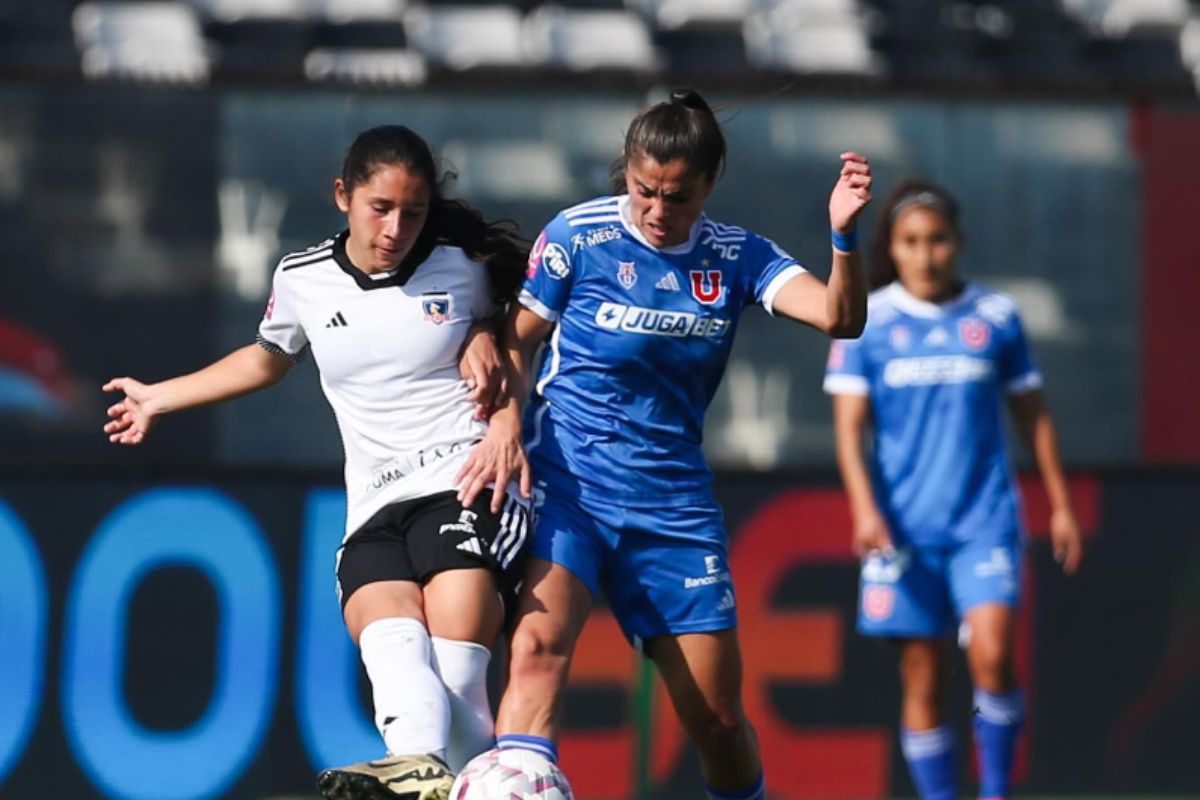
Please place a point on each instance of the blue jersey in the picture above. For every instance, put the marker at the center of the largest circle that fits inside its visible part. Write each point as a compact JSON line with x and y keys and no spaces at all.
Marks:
{"x":640,"y":343}
{"x":936,"y":376}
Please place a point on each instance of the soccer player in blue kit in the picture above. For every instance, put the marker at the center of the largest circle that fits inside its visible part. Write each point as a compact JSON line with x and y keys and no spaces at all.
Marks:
{"x":935,"y":506}
{"x":639,"y":296}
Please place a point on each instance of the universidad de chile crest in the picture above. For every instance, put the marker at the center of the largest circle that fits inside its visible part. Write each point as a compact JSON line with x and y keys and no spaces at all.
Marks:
{"x":627,"y":273}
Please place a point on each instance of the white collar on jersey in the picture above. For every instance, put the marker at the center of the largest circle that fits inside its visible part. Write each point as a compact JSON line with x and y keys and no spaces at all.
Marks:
{"x":923,"y":308}
{"x":628,"y":223}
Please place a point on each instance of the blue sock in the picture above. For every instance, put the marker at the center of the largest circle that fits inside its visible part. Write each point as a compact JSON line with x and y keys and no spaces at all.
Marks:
{"x":998,"y":720}
{"x":930,"y":757}
{"x":757,"y":791}
{"x":535,"y":744}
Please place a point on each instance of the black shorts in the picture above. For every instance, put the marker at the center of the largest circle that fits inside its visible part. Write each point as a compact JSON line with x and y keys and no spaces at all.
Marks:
{"x":415,"y":539}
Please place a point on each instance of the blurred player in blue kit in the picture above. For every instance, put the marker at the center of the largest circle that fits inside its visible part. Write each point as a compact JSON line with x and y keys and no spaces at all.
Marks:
{"x":918,"y":410}
{"x":639,"y":296}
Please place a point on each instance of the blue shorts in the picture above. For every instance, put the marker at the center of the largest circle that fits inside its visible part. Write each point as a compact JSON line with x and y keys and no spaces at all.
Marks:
{"x":663,"y":570}
{"x":922,"y":592}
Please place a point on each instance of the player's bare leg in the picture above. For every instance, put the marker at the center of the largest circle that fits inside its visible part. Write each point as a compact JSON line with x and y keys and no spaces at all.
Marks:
{"x":999,"y":706}
{"x":703,"y":675}
{"x":553,"y":608}
{"x":923,"y":683}
{"x":926,"y":740}
{"x":990,"y":647}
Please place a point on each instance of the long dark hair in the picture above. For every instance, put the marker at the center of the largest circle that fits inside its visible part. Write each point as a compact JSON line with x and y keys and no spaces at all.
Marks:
{"x":911,"y":192}
{"x":681,"y":127}
{"x":452,"y":222}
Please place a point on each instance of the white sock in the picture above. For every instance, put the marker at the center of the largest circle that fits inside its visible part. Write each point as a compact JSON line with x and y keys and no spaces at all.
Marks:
{"x":412,"y":711}
{"x":463,"y":669}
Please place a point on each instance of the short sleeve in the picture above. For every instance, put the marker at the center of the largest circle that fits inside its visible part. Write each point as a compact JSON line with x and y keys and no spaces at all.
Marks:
{"x":550,"y":274}
{"x":1018,"y":373}
{"x":846,"y":369}
{"x":484,"y":304}
{"x":280,"y":331}
{"x":772,"y":268}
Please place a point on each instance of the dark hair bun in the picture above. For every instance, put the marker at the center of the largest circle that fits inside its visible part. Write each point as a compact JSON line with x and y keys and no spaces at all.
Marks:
{"x":690,"y":98}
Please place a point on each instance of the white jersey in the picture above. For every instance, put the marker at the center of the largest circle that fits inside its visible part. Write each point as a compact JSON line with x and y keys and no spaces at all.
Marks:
{"x":387,"y":350}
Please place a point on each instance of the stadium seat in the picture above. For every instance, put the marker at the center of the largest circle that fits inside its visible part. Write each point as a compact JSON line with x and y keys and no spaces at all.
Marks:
{"x":699,"y":39}
{"x":1043,"y":58}
{"x":462,"y":37}
{"x":1147,"y":16}
{"x":827,"y":37}
{"x":704,"y":49}
{"x":361,"y":11}
{"x":361,"y":35}
{"x":377,"y":66}
{"x":1141,"y":62}
{"x":594,"y":5}
{"x":1065,"y":45}
{"x":1189,"y":47}
{"x":509,"y":170}
{"x":583,"y":40}
{"x":925,"y":43}
{"x":141,"y":41}
{"x":244,"y":10}
{"x":675,"y":14}
{"x":262,"y":49}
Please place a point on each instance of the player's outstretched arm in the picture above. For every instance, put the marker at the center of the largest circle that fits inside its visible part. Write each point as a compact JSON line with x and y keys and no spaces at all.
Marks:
{"x":1037,"y":429}
{"x":839,"y":308}
{"x":851,"y":413}
{"x":241,"y":372}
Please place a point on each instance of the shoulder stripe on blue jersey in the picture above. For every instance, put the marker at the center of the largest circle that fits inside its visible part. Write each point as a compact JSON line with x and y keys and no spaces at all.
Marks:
{"x":595,"y":201}
{"x":723,"y":228}
{"x":723,"y":236}
{"x":712,"y":236}
{"x":311,"y":258}
{"x":593,"y":205}
{"x":707,"y":237}
{"x":575,"y":223}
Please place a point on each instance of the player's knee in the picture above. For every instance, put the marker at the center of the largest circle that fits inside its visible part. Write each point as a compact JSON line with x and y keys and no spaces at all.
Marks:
{"x":991,"y":666}
{"x":715,"y":728}
{"x":537,"y":655}
{"x":713,"y":722}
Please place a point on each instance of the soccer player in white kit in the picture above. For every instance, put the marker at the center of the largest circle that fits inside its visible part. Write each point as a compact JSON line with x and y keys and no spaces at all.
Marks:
{"x":387,"y":308}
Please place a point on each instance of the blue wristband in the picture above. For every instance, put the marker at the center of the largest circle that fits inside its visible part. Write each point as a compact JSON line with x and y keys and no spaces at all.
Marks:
{"x":845,"y":242}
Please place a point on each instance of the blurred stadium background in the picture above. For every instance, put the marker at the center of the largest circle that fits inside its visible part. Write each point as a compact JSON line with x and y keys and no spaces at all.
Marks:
{"x":167,"y":621}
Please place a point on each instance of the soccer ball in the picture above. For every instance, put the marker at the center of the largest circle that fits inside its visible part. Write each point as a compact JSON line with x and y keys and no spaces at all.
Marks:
{"x":511,"y":774}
